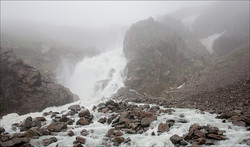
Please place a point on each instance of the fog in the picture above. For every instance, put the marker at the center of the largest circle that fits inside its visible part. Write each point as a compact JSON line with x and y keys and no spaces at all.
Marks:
{"x":89,"y":14}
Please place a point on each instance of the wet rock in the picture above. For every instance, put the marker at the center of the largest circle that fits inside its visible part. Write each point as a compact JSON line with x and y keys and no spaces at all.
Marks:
{"x":78,"y":145}
{"x":184,"y":143}
{"x":199,"y":133}
{"x":28,"y":123}
{"x":182,"y":115}
{"x":113,"y":116}
{"x":200,"y":141}
{"x":193,"y":128}
{"x":145,"y":114}
{"x":213,"y":130}
{"x":84,"y":113}
{"x":102,"y":120}
{"x":64,"y":119}
{"x":129,"y":131}
{"x":118,"y":140}
{"x":45,"y":131}
{"x":239,"y":123}
{"x":209,"y":142}
{"x":145,"y":122}
{"x":31,"y":133}
{"x":110,"y":102}
{"x":153,"y":133}
{"x":75,"y":108}
{"x":118,"y":133}
{"x":15,"y":142}
{"x":163,"y":127}
{"x":111,"y":132}
{"x":38,"y":124}
{"x":5,"y":137}
{"x":57,"y":127}
{"x":71,"y":113}
{"x":80,"y":140}
{"x":70,"y":122}
{"x":84,"y":132}
{"x":170,"y":122}
{"x":27,"y":145}
{"x":217,"y":137}
{"x":71,"y":133}
{"x":127,"y":140}
{"x":175,"y":139}
{"x":2,"y":130}
{"x":40,"y":119}
{"x":246,"y":119}
{"x":19,"y":135}
{"x":82,"y":122}
{"x":49,"y":141}
{"x":182,"y":121}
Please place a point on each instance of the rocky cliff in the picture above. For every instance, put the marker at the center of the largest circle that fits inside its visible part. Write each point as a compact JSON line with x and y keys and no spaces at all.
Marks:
{"x":24,"y":90}
{"x":155,"y":55}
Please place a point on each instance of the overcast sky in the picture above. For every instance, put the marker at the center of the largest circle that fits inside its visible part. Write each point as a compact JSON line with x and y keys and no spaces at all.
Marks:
{"x":89,"y":13}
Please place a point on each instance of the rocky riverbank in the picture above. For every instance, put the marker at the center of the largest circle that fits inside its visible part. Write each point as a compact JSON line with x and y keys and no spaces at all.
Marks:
{"x":123,"y":121}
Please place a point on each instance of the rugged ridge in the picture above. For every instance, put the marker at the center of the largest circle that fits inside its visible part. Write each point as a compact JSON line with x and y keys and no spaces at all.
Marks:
{"x":24,"y":90}
{"x":154,"y":53}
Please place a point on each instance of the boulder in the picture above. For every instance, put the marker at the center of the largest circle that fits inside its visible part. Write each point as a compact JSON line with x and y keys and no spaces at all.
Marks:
{"x":163,"y":127}
{"x":64,"y":119}
{"x":102,"y":120}
{"x":31,"y":133}
{"x":84,"y":132}
{"x":48,"y":141}
{"x":57,"y":127}
{"x":70,"y":133}
{"x":118,"y":140}
{"x":80,"y":140}
{"x":84,"y":113}
{"x":145,"y":122}
{"x":217,"y":137}
{"x":2,"y":130}
{"x":82,"y":122}
{"x":175,"y":139}
{"x":75,"y":108}
{"x":40,"y":119}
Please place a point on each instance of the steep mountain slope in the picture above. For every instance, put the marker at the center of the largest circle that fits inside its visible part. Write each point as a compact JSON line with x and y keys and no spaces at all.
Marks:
{"x":157,"y":57}
{"x":24,"y":90}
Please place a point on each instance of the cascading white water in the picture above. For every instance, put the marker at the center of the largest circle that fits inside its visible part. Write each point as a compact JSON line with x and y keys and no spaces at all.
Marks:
{"x":99,"y":76}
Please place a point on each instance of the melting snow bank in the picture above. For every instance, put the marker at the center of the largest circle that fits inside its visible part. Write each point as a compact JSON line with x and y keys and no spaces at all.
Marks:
{"x":132,"y":123}
{"x":209,"y":41}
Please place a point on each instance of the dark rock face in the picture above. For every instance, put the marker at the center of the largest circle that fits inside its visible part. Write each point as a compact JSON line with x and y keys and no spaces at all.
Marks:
{"x":24,"y":90}
{"x":154,"y":52}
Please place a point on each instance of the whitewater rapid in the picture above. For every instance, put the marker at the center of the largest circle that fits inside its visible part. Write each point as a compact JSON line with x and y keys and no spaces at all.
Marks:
{"x":94,"y":80}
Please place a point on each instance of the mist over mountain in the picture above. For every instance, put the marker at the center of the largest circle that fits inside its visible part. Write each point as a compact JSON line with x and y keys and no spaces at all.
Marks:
{"x":151,"y":73}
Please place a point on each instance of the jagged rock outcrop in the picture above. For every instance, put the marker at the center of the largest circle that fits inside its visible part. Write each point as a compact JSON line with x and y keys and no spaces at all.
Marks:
{"x":155,"y":53}
{"x":24,"y":90}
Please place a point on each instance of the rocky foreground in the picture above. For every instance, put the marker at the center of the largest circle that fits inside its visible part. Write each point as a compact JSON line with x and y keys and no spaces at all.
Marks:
{"x":24,"y":90}
{"x":124,"y":119}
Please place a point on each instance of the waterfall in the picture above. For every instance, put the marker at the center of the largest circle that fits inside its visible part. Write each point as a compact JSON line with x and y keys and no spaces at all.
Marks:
{"x":99,"y":76}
